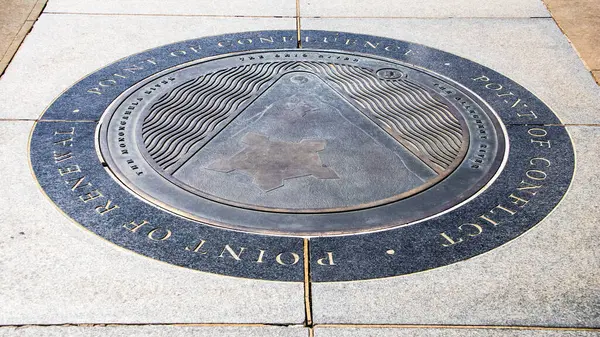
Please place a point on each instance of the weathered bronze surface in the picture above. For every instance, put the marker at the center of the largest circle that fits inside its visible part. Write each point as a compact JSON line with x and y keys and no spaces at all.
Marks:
{"x":271,"y":162}
{"x":255,"y":140}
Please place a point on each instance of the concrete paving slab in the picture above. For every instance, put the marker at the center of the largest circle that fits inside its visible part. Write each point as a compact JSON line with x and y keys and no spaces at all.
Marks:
{"x":447,"y":332}
{"x":547,"y":277}
{"x":580,"y":20}
{"x":61,"y":49}
{"x":175,"y":7}
{"x":153,"y":331}
{"x":56,"y":272}
{"x":532,"y":52}
{"x":423,"y":9}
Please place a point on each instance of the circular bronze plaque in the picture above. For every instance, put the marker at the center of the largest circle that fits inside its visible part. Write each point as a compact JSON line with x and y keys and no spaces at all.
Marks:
{"x":288,"y":141}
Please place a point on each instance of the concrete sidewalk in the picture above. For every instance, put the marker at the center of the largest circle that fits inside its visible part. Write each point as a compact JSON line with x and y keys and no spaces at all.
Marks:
{"x":57,"y":279}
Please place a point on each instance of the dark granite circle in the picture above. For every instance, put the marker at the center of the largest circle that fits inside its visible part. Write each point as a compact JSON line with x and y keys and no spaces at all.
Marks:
{"x":536,"y":172}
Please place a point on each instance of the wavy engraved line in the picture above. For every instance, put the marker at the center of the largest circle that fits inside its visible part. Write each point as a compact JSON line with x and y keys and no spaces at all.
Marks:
{"x":170,"y":131}
{"x":438,"y":149}
{"x":192,"y":98}
{"x":184,"y":111}
{"x":375,"y":82}
{"x":218,"y":114}
{"x":445,"y":113}
{"x":203,"y":113}
{"x":418,"y":86}
{"x":418,"y":140}
{"x":177,"y":110}
{"x":418,"y":102}
{"x":163,"y":113}
{"x":173,"y":92}
{"x":197,"y":109}
{"x":409,"y":140}
{"x":441,"y":115}
{"x":414,"y":113}
{"x":184,"y":96}
{"x":428,"y":121}
{"x":447,"y":131}
{"x":218,"y":108}
{"x":342,"y":83}
{"x":412,"y":86}
{"x":437,"y":108}
{"x":176,"y":90}
{"x":170,"y":114}
{"x":229,"y":104}
{"x":180,"y":111}
{"x":451,"y":140}
{"x":435,"y":148}
{"x":402,"y":128}
{"x":238,"y":97}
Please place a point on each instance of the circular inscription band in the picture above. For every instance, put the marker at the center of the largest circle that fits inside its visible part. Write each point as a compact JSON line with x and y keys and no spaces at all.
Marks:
{"x":244,"y":155}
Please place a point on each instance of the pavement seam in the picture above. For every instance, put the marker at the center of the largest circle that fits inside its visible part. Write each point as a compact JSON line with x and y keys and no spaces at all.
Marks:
{"x":312,"y":328}
{"x":45,"y":120}
{"x":37,"y":10}
{"x":178,"y":15}
{"x":299,"y":16}
{"x":102,"y":325}
{"x":429,"y":17}
{"x":307,"y":284}
{"x":298,"y":25}
{"x":596,"y":75}
{"x":434,"y":326}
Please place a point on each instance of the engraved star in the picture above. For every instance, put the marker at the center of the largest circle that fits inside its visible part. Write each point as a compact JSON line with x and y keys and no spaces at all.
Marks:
{"x":272,"y":162}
